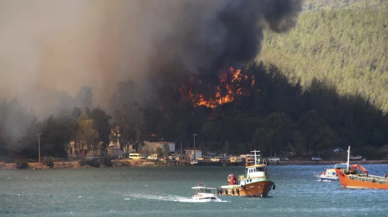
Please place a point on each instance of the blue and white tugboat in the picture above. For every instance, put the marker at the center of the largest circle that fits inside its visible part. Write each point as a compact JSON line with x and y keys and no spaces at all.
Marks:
{"x":328,"y":176}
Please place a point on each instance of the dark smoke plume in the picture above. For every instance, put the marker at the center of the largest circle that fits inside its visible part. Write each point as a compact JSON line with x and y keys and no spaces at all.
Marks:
{"x":209,"y":35}
{"x":65,"y":45}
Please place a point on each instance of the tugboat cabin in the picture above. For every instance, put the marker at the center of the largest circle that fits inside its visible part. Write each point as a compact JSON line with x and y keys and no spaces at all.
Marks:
{"x":254,"y":173}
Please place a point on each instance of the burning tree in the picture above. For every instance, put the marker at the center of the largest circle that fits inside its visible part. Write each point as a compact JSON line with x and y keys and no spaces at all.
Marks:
{"x":231,"y":84}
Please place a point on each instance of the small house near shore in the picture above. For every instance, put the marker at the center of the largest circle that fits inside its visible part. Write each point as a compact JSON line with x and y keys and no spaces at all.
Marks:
{"x":152,"y":146}
{"x":81,"y":149}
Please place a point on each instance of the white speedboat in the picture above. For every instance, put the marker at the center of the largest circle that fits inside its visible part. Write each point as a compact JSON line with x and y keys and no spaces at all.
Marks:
{"x":328,"y":176}
{"x":358,"y":157}
{"x":204,"y":194}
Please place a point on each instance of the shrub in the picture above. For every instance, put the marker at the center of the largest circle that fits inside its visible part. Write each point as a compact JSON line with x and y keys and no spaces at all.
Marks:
{"x":107,"y":161}
{"x":93,"y":163}
{"x":82,"y":162}
{"x":9,"y":160}
{"x":48,"y":162}
{"x":21,"y":164}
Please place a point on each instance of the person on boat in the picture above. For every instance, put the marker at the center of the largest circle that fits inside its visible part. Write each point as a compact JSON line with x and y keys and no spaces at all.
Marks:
{"x":324,"y":173}
{"x":385,"y":176}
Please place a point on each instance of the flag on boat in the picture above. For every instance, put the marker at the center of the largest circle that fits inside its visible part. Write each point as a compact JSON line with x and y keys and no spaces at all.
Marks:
{"x":200,"y":183}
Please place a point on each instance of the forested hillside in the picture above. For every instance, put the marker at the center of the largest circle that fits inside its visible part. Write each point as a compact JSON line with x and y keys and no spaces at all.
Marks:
{"x":342,"y":42}
{"x":315,"y":5}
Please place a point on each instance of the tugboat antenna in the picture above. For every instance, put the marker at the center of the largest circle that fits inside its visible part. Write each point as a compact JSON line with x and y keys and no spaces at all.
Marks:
{"x":347,"y":162}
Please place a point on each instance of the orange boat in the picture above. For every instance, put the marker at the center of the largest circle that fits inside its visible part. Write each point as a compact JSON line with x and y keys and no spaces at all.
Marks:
{"x":254,"y":183}
{"x":357,"y":176}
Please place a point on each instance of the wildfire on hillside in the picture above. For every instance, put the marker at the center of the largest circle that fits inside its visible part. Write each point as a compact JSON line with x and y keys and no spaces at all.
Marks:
{"x":231,"y":83}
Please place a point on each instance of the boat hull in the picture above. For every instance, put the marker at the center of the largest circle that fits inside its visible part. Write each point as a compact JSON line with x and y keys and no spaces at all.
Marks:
{"x":348,"y":182}
{"x":256,"y":189}
{"x":214,"y":199}
{"x":321,"y":179}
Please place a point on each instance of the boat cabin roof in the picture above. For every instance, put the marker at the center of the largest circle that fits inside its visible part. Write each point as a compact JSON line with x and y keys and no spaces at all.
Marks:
{"x":255,"y":166}
{"x":330,"y":170}
{"x":340,"y":165}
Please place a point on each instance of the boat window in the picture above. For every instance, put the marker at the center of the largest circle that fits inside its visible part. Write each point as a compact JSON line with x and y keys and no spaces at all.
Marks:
{"x":260,"y":169}
{"x":202,"y":190}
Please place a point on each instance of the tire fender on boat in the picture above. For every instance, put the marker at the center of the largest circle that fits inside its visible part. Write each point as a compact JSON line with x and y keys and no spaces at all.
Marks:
{"x":273,"y":187}
{"x":243,"y":186}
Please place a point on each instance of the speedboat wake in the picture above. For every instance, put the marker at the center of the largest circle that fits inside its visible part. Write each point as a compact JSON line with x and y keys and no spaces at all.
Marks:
{"x":173,"y":198}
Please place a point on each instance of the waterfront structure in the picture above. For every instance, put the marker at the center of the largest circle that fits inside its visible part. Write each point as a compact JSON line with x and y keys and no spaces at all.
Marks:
{"x":193,"y":154}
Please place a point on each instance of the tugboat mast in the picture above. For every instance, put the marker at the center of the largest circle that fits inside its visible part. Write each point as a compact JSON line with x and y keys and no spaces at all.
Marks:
{"x":255,"y":156}
{"x":347,"y":162}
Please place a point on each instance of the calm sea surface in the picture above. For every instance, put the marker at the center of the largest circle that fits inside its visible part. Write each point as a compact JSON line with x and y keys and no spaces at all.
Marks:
{"x":166,"y":191}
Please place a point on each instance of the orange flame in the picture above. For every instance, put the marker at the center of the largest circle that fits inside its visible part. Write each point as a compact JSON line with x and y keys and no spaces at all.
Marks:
{"x":228,"y":88}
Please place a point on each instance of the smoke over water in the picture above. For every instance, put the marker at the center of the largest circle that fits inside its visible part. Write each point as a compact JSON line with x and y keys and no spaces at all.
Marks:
{"x":56,"y":46}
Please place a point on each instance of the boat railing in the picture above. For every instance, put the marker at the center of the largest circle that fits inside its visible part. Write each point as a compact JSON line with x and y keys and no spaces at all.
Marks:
{"x":369,"y":178}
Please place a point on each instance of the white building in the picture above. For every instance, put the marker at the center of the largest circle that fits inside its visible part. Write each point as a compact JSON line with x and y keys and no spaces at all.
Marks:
{"x":152,"y":146}
{"x":114,"y":149}
{"x":114,"y":152}
{"x":82,"y":149}
{"x":190,"y":153}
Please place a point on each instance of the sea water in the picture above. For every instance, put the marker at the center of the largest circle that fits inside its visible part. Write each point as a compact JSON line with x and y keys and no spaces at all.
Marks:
{"x":166,"y":191}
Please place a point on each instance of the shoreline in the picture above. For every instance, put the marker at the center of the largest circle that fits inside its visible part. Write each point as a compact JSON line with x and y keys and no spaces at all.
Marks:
{"x":145,"y":163}
{"x":77,"y":165}
{"x":327,"y":162}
